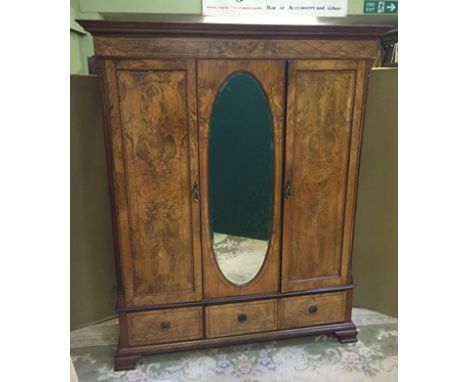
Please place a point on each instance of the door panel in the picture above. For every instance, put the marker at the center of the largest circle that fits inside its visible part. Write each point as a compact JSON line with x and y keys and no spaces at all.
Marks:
{"x":211,"y":77}
{"x":322,"y":141}
{"x":155,"y":159}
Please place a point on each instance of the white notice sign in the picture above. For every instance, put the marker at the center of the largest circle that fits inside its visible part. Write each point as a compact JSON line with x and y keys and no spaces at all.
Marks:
{"x":325,"y":8}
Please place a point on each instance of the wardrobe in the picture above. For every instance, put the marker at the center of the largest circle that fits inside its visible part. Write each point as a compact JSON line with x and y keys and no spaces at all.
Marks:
{"x":233,"y":156}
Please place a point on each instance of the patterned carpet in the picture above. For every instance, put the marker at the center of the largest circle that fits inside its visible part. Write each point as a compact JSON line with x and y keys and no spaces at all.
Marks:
{"x":320,"y":358}
{"x":239,"y":258}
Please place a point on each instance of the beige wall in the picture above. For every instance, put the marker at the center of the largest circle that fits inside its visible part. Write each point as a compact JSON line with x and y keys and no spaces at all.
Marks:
{"x":93,"y":292}
{"x":375,"y":241}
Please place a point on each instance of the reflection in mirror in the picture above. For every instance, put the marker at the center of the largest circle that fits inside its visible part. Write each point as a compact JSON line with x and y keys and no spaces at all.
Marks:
{"x":240,"y":172}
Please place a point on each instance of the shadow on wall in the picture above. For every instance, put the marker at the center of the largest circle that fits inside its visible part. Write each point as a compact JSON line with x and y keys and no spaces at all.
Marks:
{"x":92,"y":277}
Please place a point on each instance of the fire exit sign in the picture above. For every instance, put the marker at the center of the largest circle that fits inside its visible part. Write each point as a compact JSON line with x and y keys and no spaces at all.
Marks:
{"x":372,"y":6}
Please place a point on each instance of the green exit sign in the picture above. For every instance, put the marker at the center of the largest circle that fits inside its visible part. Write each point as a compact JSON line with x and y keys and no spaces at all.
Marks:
{"x":372,"y":6}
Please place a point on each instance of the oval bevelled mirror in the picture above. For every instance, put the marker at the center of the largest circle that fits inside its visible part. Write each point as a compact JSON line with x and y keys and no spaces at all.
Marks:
{"x":240,"y":176}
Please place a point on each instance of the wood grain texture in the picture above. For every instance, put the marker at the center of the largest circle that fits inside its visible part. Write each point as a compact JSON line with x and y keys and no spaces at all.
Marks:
{"x":349,"y":304}
{"x":164,"y":326}
{"x":326,"y":308}
{"x":155,"y":157}
{"x":223,"y":320}
{"x":211,"y":76}
{"x":104,"y":66}
{"x":322,"y":141}
{"x":353,"y":180}
{"x":187,"y":47}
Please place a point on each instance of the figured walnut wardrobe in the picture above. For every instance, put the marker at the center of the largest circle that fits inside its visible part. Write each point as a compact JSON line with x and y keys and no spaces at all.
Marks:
{"x":160,"y":82}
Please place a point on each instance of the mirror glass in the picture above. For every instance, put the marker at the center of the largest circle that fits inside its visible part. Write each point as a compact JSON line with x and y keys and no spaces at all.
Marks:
{"x":240,"y":172}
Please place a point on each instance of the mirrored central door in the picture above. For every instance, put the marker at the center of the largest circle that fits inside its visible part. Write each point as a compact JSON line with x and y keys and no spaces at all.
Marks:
{"x":241,"y":132}
{"x":240,"y":177}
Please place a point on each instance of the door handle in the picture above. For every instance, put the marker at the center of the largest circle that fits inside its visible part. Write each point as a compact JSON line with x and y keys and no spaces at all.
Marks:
{"x":195,"y":193}
{"x":288,"y":189}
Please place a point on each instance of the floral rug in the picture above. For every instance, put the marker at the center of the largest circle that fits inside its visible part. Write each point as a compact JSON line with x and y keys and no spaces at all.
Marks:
{"x":239,"y":258}
{"x":319,"y":358}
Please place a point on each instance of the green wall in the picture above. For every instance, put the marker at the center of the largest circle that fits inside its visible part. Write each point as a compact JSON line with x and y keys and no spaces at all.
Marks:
{"x":92,"y":268}
{"x":142,"y":6}
{"x":81,"y":42}
{"x":375,"y":243}
{"x":168,"y":6}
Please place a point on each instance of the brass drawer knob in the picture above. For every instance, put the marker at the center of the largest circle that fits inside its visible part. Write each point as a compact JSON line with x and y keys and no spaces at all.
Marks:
{"x":165,"y":325}
{"x":242,"y":317}
{"x":312,"y":309}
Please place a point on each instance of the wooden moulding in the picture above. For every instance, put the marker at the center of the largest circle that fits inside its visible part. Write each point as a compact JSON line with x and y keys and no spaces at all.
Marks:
{"x":201,"y":39}
{"x":198,"y":27}
{"x":227,"y":300}
{"x":127,"y":358}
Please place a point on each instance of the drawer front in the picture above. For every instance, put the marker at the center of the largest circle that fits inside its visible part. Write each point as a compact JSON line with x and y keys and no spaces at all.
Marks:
{"x":233,"y":319}
{"x":160,"y":326}
{"x":297,"y":312}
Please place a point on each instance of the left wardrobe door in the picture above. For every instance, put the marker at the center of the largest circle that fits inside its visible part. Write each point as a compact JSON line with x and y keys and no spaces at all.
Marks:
{"x":152,"y":143}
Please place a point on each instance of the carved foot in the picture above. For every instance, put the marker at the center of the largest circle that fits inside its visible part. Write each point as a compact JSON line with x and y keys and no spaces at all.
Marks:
{"x":127,"y":362}
{"x":347,"y":336}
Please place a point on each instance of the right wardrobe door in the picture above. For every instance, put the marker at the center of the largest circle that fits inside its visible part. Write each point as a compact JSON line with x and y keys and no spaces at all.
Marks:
{"x":323,"y":132}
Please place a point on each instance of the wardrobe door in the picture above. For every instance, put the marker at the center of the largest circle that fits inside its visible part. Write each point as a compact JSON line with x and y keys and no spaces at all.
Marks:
{"x":241,"y":147}
{"x":153,"y":149}
{"x":325,"y":103}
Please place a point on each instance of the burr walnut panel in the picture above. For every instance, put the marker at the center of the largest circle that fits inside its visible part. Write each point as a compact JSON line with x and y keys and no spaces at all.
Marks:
{"x":234,"y":319}
{"x":296,"y":312}
{"x":159,"y":140}
{"x":162,"y":326}
{"x":231,"y":48}
{"x":321,"y":108}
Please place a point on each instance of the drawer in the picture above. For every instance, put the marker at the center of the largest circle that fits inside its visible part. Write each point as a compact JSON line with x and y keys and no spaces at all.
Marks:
{"x":296,"y":312}
{"x":233,"y":319}
{"x":168,"y":325}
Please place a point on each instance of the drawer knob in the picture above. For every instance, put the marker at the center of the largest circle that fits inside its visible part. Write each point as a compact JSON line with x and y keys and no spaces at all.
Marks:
{"x":312,"y":309}
{"x":165,"y":325}
{"x":242,"y":317}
